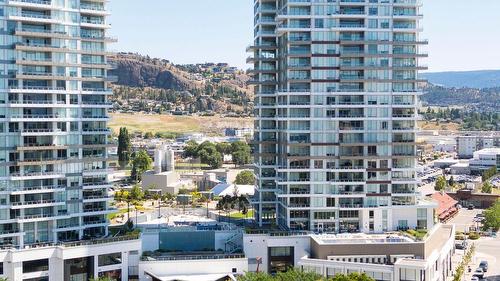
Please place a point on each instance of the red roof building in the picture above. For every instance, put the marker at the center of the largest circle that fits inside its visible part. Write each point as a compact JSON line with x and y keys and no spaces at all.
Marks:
{"x":447,"y":205}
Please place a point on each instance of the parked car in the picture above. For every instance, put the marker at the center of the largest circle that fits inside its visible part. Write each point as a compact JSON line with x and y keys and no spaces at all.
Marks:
{"x":479,"y":273}
{"x":484,"y":266}
{"x":470,"y":207}
{"x":461,"y":244}
{"x":474,"y":278}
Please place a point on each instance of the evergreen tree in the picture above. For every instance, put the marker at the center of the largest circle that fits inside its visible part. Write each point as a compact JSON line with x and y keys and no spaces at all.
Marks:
{"x":124,"y":147}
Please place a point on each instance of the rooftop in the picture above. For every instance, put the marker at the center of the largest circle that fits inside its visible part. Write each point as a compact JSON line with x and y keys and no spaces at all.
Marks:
{"x":178,"y":220}
{"x":361,"y":238}
{"x":490,"y":150}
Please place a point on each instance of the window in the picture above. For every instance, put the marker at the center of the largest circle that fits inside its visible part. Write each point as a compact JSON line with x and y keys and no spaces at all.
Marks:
{"x":280,"y":251}
{"x":402,"y":224}
{"x":35,"y":266}
{"x":110,"y":259}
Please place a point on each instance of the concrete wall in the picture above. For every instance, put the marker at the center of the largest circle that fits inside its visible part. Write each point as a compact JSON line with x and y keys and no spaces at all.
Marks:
{"x":256,"y":246}
{"x":193,"y":267}
{"x":165,"y":181}
{"x":402,"y":213}
{"x":150,"y":240}
{"x":480,"y":200}
{"x":323,"y":251}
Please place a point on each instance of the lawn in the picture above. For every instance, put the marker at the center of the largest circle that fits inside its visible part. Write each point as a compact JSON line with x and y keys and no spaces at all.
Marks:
{"x":242,"y":216}
{"x":112,"y":216}
{"x":155,"y":123}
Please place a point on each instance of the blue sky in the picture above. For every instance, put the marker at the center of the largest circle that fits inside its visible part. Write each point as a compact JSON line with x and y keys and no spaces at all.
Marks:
{"x":463,"y":34}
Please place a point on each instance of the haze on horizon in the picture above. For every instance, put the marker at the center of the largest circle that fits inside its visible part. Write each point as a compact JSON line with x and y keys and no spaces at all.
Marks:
{"x":461,"y":36}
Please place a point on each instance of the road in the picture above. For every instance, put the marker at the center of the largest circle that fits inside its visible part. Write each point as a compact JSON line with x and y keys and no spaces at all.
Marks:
{"x":487,"y":248}
{"x":464,"y":219}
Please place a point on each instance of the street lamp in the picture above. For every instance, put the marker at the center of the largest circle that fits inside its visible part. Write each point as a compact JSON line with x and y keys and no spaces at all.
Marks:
{"x":159,"y":206}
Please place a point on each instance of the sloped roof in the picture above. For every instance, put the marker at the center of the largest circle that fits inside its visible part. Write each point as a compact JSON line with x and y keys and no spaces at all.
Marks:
{"x":223,"y":189}
{"x":444,"y":200}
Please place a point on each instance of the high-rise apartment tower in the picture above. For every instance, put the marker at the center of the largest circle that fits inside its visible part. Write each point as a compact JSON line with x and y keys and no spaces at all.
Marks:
{"x":337,"y":91}
{"x":53,"y":115}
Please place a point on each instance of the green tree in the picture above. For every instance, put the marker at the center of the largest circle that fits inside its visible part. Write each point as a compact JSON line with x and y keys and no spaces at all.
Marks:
{"x":136,"y":193}
{"x":489,"y":173}
{"x":124,"y":196}
{"x":451,"y":182}
{"x":492,"y":217}
{"x":245,"y":177}
{"x":294,"y":274}
{"x":141,"y":163}
{"x":209,"y":155}
{"x":241,"y":153}
{"x":191,"y":149}
{"x":440,"y":184}
{"x":124,"y":147}
{"x":224,"y":148}
{"x":148,"y":135}
{"x":487,"y":187}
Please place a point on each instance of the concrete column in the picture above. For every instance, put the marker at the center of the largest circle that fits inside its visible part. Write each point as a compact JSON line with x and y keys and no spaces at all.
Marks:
{"x":124,"y":266}
{"x":21,"y":238}
{"x":96,"y":266}
{"x":56,"y":267}
{"x":13,"y":271}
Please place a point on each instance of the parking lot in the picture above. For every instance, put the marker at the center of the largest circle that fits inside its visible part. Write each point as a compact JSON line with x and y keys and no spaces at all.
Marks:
{"x":487,"y":248}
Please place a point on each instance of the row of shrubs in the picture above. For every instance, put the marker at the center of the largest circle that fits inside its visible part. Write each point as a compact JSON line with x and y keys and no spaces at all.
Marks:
{"x":471,"y":235}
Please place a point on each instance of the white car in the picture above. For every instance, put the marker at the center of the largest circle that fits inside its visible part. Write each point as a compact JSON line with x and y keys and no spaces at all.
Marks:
{"x":474,"y":278}
{"x":479,"y":273}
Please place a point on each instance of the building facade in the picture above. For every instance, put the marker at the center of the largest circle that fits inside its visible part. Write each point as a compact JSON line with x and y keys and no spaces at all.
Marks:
{"x":53,"y":121}
{"x":467,"y":145}
{"x":53,"y":145}
{"x":117,"y":258}
{"x":388,"y":257}
{"x":337,"y":88}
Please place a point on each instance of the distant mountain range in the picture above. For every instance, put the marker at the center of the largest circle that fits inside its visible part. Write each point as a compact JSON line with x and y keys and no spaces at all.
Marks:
{"x":465,"y":79}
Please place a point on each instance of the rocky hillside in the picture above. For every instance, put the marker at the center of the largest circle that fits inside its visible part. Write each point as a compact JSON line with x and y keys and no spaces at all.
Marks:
{"x":139,"y":71}
{"x":487,"y":99}
{"x":151,"y":84}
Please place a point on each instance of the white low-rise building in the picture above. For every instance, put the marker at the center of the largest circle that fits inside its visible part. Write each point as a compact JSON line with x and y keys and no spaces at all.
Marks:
{"x":389,"y":256}
{"x":484,"y":159}
{"x":113,"y":257}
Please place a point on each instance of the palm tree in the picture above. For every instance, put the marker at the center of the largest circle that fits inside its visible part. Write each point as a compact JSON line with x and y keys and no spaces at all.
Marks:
{"x":157,"y":197}
{"x":124,"y":196}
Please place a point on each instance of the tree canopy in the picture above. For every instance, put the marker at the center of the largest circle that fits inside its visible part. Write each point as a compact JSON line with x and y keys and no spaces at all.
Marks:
{"x":492,"y":217}
{"x":141,"y":163}
{"x":245,"y":177}
{"x":440,"y":184}
{"x":489,"y":173}
{"x":487,"y":188}
{"x":212,"y":154}
{"x":298,"y":275}
{"x":241,"y":153}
